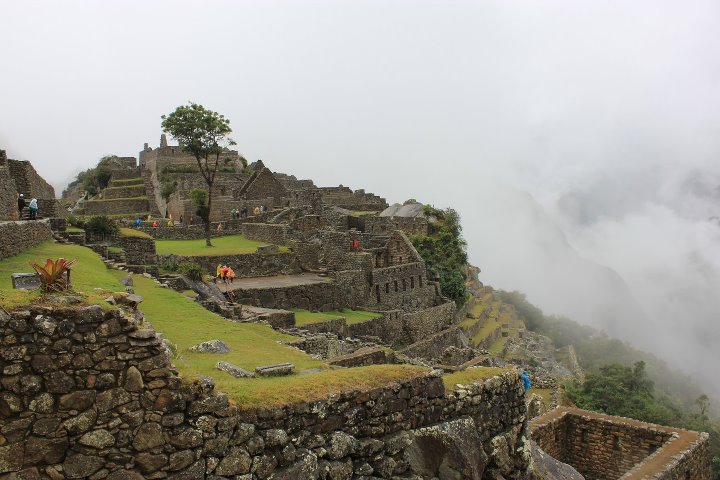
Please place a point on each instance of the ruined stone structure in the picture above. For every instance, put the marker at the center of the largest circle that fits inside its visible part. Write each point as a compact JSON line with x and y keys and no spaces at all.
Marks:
{"x":16,"y":237}
{"x":19,"y":176}
{"x":602,"y":447}
{"x":87,"y":394}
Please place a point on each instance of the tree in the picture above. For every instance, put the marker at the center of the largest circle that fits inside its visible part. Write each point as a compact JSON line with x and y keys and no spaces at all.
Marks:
{"x":204,"y":134}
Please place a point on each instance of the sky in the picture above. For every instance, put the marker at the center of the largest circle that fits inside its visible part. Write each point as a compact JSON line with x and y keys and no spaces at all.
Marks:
{"x":579,"y":140}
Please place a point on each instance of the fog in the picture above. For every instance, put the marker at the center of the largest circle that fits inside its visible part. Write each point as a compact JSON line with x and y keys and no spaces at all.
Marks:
{"x":579,"y":140}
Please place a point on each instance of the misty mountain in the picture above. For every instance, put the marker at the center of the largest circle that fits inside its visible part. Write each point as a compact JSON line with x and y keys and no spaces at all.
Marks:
{"x":518,"y":247}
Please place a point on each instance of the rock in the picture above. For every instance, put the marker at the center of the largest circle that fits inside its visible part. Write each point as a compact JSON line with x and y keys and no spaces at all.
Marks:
{"x":211,"y":346}
{"x":274,"y":437}
{"x":236,"y":462}
{"x":124,"y":475}
{"x":149,"y":463}
{"x":448,"y":450}
{"x":234,"y":370}
{"x":80,"y":466}
{"x":81,"y":423}
{"x":133,"y":380}
{"x":546,"y":467}
{"x":132,"y":299}
{"x":341,"y":445}
{"x":306,"y":468}
{"x":11,"y":457}
{"x":148,"y":436}
{"x":80,"y":400}
{"x":275,"y":370}
{"x":100,"y":438}
{"x":127,"y":281}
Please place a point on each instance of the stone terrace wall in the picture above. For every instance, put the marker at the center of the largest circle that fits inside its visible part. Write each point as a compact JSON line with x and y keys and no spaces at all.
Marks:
{"x":113,"y":207}
{"x":386,"y":225}
{"x":138,"y":250}
{"x":86,"y":394}
{"x":602,"y":447}
{"x":28,"y":181}
{"x":246,"y":265}
{"x":8,"y":195}
{"x":318,"y":296}
{"x":16,"y":237}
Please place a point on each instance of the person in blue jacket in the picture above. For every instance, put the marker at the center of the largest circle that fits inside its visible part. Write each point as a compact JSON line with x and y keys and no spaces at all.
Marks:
{"x":526,"y":380}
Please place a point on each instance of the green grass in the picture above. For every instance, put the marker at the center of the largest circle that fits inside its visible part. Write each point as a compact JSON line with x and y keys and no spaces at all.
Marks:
{"x":544,"y":393}
{"x":130,"y":232}
{"x":74,"y":230}
{"x":228,"y":245}
{"x":142,"y":197}
{"x":497,"y":346}
{"x":470,"y":375}
{"x":139,"y":184}
{"x":487,"y":328}
{"x":115,"y":250}
{"x":305,"y":317}
{"x":185,"y":323}
{"x":89,"y":275}
{"x":128,"y":180}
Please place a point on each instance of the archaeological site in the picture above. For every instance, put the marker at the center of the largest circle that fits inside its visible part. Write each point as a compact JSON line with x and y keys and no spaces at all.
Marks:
{"x":325,"y":334}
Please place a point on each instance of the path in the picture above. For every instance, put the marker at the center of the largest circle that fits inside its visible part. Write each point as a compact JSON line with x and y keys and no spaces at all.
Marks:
{"x":273,"y":281}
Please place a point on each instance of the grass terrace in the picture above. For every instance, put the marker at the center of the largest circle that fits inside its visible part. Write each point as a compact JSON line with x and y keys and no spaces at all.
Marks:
{"x":186,"y":323}
{"x":131,"y":232}
{"x":89,"y":275}
{"x":306,"y":317}
{"x":127,"y":181}
{"x":227,"y":245}
{"x":470,"y":375}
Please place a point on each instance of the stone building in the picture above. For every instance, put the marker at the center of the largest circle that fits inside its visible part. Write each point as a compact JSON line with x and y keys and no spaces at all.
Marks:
{"x":19,"y":176}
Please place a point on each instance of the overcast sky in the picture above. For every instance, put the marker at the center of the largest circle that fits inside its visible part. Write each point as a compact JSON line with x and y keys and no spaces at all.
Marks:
{"x":606,"y":112}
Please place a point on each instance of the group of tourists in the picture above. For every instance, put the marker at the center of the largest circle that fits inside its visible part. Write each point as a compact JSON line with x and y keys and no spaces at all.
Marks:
{"x":32,"y":206}
{"x":242,"y":212}
{"x":224,"y":273}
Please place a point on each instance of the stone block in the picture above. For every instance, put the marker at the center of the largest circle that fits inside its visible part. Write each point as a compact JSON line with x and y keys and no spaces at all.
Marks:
{"x":275,"y":370}
{"x":234,"y":370}
{"x":26,"y":281}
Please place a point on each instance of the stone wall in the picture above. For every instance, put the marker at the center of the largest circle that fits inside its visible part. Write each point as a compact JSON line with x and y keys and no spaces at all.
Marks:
{"x":386,"y":225}
{"x":129,"y":206}
{"x":318,"y":296}
{"x":246,"y":265}
{"x":8,"y":195}
{"x":86,"y":394}
{"x":28,"y":181}
{"x":127,"y":191}
{"x":16,"y":237}
{"x":602,"y":447}
{"x":138,"y":250}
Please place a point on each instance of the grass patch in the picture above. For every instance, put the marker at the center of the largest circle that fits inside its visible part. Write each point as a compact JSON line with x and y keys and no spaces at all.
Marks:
{"x":362,"y":213}
{"x":487,"y":328}
{"x":137,"y":180}
{"x":470,"y":375}
{"x":185,"y":323}
{"x":228,"y":245}
{"x":544,"y":393}
{"x":130,"y":232}
{"x":115,"y":250}
{"x":305,"y":317}
{"x":89,"y":275}
{"x":497,"y":346}
{"x":74,"y":230}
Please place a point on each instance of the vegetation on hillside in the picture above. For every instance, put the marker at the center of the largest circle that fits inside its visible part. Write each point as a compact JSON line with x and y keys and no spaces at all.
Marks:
{"x":226,"y":245}
{"x":94,"y":179}
{"x":443,"y":251}
{"x":637,"y":384}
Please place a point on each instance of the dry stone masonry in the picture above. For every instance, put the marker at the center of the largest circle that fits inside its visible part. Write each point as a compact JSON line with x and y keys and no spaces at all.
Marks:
{"x":86,"y":393}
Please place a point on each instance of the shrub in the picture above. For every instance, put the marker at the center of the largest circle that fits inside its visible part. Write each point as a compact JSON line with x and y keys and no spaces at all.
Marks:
{"x":54,"y":275}
{"x":102,"y":225}
{"x":75,"y":221}
{"x":192,"y":270}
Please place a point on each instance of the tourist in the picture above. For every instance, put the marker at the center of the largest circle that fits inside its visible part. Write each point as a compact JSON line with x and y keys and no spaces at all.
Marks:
{"x":356,"y":245}
{"x":218,"y":272}
{"x":21,"y":205}
{"x":224,"y":272}
{"x":526,"y":380}
{"x":155,"y":224}
{"x":219,"y":227}
{"x":138,"y":222}
{"x":244,"y":212}
{"x":190,"y":220}
{"x":230,"y":274}
{"x":256,"y":211}
{"x":170,"y":223}
{"x":33,"y":209}
{"x":181,"y":220}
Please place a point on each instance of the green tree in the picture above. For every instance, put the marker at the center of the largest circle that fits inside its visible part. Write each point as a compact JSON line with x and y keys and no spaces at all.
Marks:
{"x":200,"y":199}
{"x":204,"y":134}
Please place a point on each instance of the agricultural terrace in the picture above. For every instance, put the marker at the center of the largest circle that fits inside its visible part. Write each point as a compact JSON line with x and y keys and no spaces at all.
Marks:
{"x":305,"y":317}
{"x":227,"y":245}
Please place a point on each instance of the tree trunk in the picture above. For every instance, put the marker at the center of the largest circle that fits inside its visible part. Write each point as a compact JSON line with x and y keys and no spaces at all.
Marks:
{"x":209,"y":215}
